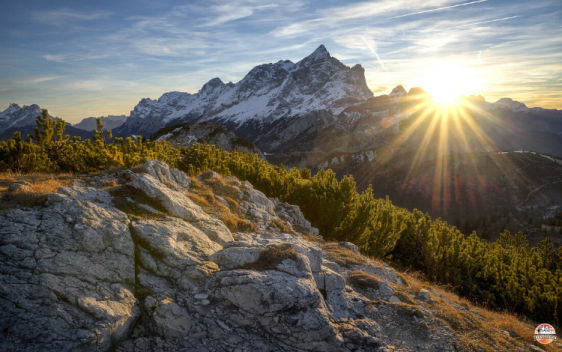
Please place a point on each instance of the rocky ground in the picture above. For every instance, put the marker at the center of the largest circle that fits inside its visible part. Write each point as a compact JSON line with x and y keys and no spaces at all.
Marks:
{"x":152,"y":260}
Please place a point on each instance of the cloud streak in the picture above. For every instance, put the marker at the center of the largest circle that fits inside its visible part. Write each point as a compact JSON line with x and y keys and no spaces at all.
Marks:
{"x":440,"y":9}
{"x":62,"y":16}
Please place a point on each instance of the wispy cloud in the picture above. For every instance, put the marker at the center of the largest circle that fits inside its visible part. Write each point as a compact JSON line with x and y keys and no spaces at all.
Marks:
{"x":64,"y":15}
{"x":230,"y":11}
{"x":41,"y":79}
{"x":331,"y":17}
{"x":54,"y":57}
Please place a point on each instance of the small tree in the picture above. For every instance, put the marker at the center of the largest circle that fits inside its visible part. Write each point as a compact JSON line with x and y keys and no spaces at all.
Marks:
{"x":44,"y":128}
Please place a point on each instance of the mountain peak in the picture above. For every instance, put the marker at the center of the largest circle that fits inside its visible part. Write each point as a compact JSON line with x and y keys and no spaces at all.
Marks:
{"x":398,"y":90}
{"x":510,"y":104}
{"x":321,"y":53}
{"x":416,"y":91}
{"x":211,"y":85}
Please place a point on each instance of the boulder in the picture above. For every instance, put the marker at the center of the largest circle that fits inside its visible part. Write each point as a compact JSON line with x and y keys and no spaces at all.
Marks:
{"x":167,"y":318}
{"x":66,"y":286}
{"x":178,"y":204}
{"x":164,"y":174}
{"x":424,"y":295}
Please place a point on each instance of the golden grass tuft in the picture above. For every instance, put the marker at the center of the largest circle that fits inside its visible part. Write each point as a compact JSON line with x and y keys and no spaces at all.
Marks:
{"x":33,"y":194}
{"x":204,"y":193}
{"x":478,"y":328}
{"x":342,"y":255}
{"x":362,"y":280}
{"x":475,"y":327}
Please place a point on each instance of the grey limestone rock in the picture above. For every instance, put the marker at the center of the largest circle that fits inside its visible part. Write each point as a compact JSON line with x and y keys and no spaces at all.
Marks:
{"x":66,"y":286}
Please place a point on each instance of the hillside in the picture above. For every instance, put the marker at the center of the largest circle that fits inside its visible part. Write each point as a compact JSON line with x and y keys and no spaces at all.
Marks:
{"x":150,"y":259}
{"x":486,"y":192}
{"x":187,"y":134}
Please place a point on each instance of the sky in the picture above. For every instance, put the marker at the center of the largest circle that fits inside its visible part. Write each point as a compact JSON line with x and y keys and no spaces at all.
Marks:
{"x":94,"y":58}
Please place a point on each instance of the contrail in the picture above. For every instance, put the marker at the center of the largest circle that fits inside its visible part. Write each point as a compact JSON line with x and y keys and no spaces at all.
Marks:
{"x":440,"y":8}
{"x":482,"y":22}
{"x":373,"y":51}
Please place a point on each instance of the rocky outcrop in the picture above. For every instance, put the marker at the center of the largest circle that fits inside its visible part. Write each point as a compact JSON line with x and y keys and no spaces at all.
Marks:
{"x":67,"y":274}
{"x":140,"y":266}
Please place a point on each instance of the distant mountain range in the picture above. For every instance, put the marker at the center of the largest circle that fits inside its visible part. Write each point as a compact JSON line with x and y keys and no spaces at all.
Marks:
{"x":109,"y":122}
{"x":319,"y":113}
{"x":280,"y":106}
{"x":22,"y":119}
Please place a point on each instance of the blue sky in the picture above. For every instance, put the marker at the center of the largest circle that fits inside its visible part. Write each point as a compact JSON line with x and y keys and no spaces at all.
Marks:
{"x":92,"y":58}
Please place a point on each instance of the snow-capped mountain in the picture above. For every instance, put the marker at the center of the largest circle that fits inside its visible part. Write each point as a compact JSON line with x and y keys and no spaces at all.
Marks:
{"x":22,"y":119}
{"x":269,"y":92}
{"x":510,"y":104}
{"x":109,"y":122}
{"x":16,"y":116}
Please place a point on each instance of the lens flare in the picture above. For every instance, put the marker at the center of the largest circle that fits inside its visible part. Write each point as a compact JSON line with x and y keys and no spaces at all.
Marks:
{"x":446,"y":82}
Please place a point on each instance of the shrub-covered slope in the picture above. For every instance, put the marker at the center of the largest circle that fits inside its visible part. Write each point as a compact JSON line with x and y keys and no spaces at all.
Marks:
{"x":507,"y":274}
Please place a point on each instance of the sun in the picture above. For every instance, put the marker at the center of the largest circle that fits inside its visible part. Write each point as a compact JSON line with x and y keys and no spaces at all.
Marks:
{"x":447,"y":81}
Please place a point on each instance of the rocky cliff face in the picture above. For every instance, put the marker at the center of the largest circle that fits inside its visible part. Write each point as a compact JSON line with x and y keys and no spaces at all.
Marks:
{"x":151,"y":260}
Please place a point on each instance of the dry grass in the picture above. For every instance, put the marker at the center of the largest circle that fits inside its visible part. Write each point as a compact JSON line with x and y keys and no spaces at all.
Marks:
{"x":477,"y":328}
{"x":110,"y":183}
{"x":35,"y":193}
{"x":342,"y":255}
{"x":414,"y":282}
{"x":363,"y":280}
{"x":272,"y":256}
{"x":204,"y":194}
{"x":474,"y":333}
{"x":221,"y":195}
{"x":220,"y":186}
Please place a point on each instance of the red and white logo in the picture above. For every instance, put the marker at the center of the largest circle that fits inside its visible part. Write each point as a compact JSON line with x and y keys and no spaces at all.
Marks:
{"x":545,"y":334}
